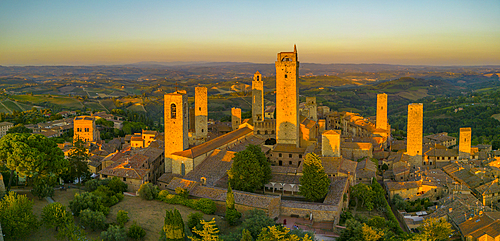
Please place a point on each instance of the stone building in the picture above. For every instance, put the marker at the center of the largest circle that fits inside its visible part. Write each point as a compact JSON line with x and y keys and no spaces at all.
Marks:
{"x":257,"y":98}
{"x":356,"y":150}
{"x":4,"y":127}
{"x":265,"y":129}
{"x":482,"y":227}
{"x":331,"y":143}
{"x":287,"y":98}
{"x":308,"y":132}
{"x":382,"y":111}
{"x":85,"y":129}
{"x":464,"y":146}
{"x":287,"y":155}
{"x":439,"y":156}
{"x":235,"y":118}
{"x":441,"y":139}
{"x":201,"y":114}
{"x":415,"y":133}
{"x":310,"y":108}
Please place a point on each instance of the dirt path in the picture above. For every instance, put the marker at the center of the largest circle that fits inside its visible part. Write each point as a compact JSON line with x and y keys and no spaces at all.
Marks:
{"x":103,"y":106}
{"x":1,"y":102}
{"x":20,"y":107}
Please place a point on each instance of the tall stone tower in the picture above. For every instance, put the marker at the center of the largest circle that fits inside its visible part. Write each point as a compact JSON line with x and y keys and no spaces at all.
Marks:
{"x":331,"y":143}
{"x":235,"y":118}
{"x":257,"y":98}
{"x":176,"y":122}
{"x":464,"y":144}
{"x":287,"y":98}
{"x":201,"y":114}
{"x":312,"y":108}
{"x":382,"y":111}
{"x":415,"y":133}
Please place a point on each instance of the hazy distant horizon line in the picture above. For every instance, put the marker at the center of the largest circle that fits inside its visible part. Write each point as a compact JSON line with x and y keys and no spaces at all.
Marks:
{"x":185,"y":63}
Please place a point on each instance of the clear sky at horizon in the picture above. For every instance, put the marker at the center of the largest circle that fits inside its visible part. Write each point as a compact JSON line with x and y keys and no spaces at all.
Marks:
{"x":442,"y":32}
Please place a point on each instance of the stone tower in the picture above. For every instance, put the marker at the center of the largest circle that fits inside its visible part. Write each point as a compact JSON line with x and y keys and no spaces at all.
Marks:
{"x":257,"y":98}
{"x":464,"y":144}
{"x":201,"y":114}
{"x":415,"y":133}
{"x":176,"y":122}
{"x":382,"y":111}
{"x":235,"y":118}
{"x":331,"y":143}
{"x":312,"y":108}
{"x":85,"y":129}
{"x":287,"y":98}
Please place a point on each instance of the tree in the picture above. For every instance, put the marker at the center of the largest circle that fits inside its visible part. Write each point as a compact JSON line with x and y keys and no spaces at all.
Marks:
{"x":210,"y":232}
{"x":71,"y":232}
{"x":148,"y":191}
{"x":280,"y":233}
{"x":256,"y":220}
{"x":364,"y":193}
{"x":232,"y":215}
{"x":114,"y":233}
{"x":250,"y":169}
{"x":136,"y":232}
{"x":19,"y":128}
{"x":16,"y":216}
{"x":54,"y":215}
{"x":370,"y":234}
{"x":122,"y":218}
{"x":314,"y":182}
{"x":436,"y":229}
{"x":78,"y":156}
{"x":194,"y":220}
{"x":173,"y":227}
{"x":399,"y":202}
{"x":116,"y":185}
{"x":93,"y":219}
{"x":43,"y":188}
{"x":31,"y":155}
{"x":246,"y":236}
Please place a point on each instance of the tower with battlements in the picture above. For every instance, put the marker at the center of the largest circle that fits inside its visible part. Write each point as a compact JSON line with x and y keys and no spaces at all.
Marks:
{"x":312,"y":108}
{"x":464,"y":144}
{"x":235,"y":118}
{"x":414,"y":132}
{"x":257,"y":98}
{"x":201,"y":114}
{"x":287,"y":98}
{"x":382,"y":111}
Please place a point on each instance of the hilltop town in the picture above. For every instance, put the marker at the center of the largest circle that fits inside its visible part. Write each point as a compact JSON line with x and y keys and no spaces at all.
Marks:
{"x":417,"y":178}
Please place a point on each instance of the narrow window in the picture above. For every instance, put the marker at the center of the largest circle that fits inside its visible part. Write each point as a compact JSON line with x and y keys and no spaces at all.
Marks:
{"x":286,"y":76}
{"x":173,"y":111}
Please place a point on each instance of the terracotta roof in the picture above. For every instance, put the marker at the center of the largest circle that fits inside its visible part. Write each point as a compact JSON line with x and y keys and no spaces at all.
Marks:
{"x":333,"y":165}
{"x":366,"y":169}
{"x":489,"y":188}
{"x":394,"y":186}
{"x":213,"y":168}
{"x":356,"y":145}
{"x":336,"y":191}
{"x":288,"y":179}
{"x":283,"y":169}
{"x":167,"y":177}
{"x":136,"y":138}
{"x":308,"y":123}
{"x":439,"y":152}
{"x":475,"y":224}
{"x":183,"y":183}
{"x":249,"y":140}
{"x":288,"y":148}
{"x":129,"y":167}
{"x":214,"y":143}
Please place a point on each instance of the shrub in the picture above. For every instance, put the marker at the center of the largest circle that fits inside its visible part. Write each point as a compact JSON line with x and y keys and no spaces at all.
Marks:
{"x":107,"y":196}
{"x":87,"y":200}
{"x":182,"y":192}
{"x":148,"y":191}
{"x":42,"y":190}
{"x":136,"y":232}
{"x":194,"y":220}
{"x":206,"y":205}
{"x":114,"y":233}
{"x":122,"y":218}
{"x":233,"y":216}
{"x":92,"y":185}
{"x":54,"y":215}
{"x":92,"y":219}
{"x":117,"y":186}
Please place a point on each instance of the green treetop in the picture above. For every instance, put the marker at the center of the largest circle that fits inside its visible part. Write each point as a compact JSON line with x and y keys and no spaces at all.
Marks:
{"x":314,"y":182}
{"x":250,"y":169}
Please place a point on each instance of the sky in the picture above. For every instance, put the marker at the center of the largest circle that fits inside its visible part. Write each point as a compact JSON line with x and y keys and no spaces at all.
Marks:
{"x":420,"y":32}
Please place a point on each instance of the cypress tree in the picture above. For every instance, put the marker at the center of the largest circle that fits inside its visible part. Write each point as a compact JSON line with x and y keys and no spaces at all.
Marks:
{"x":229,"y":198}
{"x":173,"y":226}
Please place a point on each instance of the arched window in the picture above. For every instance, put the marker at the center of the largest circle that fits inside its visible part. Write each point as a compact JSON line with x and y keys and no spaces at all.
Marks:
{"x":173,"y":111}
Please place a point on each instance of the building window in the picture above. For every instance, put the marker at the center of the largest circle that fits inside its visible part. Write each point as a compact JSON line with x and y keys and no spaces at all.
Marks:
{"x":280,"y":163}
{"x":290,"y":155}
{"x":124,"y":179}
{"x":286,"y":76}
{"x":280,"y":155}
{"x":173,"y":111}
{"x":290,"y":162}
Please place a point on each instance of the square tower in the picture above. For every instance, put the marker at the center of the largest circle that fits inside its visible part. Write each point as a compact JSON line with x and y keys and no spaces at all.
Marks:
{"x":287,"y":98}
{"x":235,"y":118}
{"x":176,"y":122}
{"x":201,"y":114}
{"x":415,"y":133}
{"x":312,"y":107}
{"x":382,"y":111}
{"x":257,"y":98}
{"x":85,"y":129}
{"x":331,"y":143}
{"x":464,"y":144}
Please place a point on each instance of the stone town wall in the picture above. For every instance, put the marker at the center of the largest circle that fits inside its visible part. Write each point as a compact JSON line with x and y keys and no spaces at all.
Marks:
{"x":318,"y":215}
